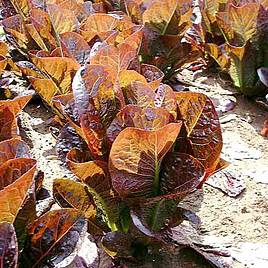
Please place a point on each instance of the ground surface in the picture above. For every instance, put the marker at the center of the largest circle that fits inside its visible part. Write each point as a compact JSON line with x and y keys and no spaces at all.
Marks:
{"x":237,"y":223}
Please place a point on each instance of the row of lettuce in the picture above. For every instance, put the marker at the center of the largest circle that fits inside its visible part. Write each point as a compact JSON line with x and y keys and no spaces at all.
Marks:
{"x":101,"y":66}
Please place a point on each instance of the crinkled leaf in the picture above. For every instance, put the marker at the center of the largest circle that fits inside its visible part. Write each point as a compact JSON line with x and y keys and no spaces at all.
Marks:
{"x":14,"y":169}
{"x":55,"y":237}
{"x":153,"y":75}
{"x":135,"y":116}
{"x":17,"y":104}
{"x":95,"y":175}
{"x":146,"y":97}
{"x":60,"y":69}
{"x":46,"y":88}
{"x":74,"y":194}
{"x":135,"y":159}
{"x":165,"y":97}
{"x":75,"y":46}
{"x":8,"y":124}
{"x":118,"y":58}
{"x":8,"y":246}
{"x":68,"y":139}
{"x":157,"y":214}
{"x":159,"y":14}
{"x":181,"y":175}
{"x":203,"y":127}
{"x":98,"y":24}
{"x":15,"y":26}
{"x":13,"y":148}
{"x":244,"y":20}
{"x":95,"y":99}
{"x":81,"y":9}
{"x":63,"y":20}
{"x":26,"y":215}
{"x":243,"y":67}
{"x":3,"y":63}
{"x":218,"y":55}
{"x":131,"y":36}
{"x":117,"y":244}
{"x":126,"y":77}
{"x":13,"y":196}
{"x":42,"y":23}
{"x":79,"y":164}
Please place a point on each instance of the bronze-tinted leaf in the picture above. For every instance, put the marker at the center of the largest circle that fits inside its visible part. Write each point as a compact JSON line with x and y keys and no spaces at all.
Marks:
{"x":190,"y":107}
{"x":3,"y":53}
{"x":14,"y":25}
{"x":203,"y":127}
{"x":21,"y":6}
{"x":3,"y":63}
{"x":218,"y":55}
{"x":127,"y":77}
{"x":46,"y":88}
{"x":75,"y":46}
{"x":29,"y":69}
{"x":140,"y":93}
{"x":13,"y":196}
{"x":17,"y":104}
{"x":96,"y":176}
{"x":95,"y":99}
{"x":14,"y":169}
{"x":13,"y":148}
{"x":68,"y":139}
{"x":166,"y":98}
{"x":81,"y":9}
{"x":131,"y":36}
{"x":146,"y":97}
{"x":135,"y":116}
{"x":84,"y":169}
{"x":181,"y":175}
{"x":152,"y":74}
{"x":60,"y":69}
{"x":42,"y":23}
{"x":8,"y":246}
{"x":63,"y":20}
{"x":8,"y":124}
{"x":159,"y":14}
{"x":98,"y":24}
{"x":27,"y":214}
{"x":35,"y":36}
{"x":243,"y":20}
{"x":135,"y":159}
{"x":3,"y":48}
{"x":133,"y":9}
{"x":118,"y":58}
{"x":54,"y":237}
{"x":74,"y":194}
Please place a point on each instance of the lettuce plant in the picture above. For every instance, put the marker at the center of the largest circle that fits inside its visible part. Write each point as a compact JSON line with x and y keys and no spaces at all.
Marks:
{"x":233,"y":34}
{"x":166,"y":23}
{"x":145,"y":156}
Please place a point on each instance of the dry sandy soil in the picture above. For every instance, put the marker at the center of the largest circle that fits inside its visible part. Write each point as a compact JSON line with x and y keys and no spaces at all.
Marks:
{"x":238,"y":224}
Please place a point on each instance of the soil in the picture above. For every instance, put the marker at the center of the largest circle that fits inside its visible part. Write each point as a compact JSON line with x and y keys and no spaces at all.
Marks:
{"x":231,"y":222}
